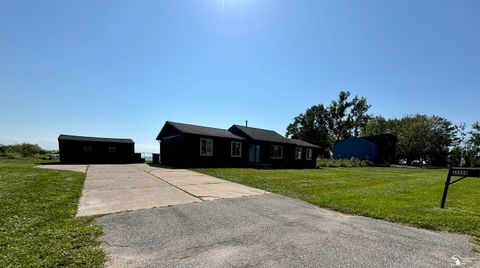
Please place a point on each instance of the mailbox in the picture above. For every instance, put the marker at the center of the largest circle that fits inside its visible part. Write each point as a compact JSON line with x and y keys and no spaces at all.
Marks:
{"x":458,"y":172}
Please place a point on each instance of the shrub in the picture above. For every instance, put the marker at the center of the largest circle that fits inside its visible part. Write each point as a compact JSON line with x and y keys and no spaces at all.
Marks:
{"x":21,"y":150}
{"x":353,"y":162}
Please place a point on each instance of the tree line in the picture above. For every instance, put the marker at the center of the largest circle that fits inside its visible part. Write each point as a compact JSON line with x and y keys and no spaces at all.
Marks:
{"x":433,"y":139}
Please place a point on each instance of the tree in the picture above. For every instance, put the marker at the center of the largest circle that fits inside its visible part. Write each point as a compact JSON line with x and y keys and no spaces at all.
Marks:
{"x":475,"y":135}
{"x":378,"y":125}
{"x":347,"y":117}
{"x":312,"y":126}
{"x":419,"y":137}
{"x":412,"y":138}
{"x":474,"y":145}
{"x":325,"y":126}
{"x":458,"y":152}
{"x":441,"y":137}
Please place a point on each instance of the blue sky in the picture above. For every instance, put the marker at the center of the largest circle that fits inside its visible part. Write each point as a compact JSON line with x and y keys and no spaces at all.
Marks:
{"x":122,"y":68}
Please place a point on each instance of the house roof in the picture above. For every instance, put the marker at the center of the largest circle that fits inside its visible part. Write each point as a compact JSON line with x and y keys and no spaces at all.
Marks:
{"x":94,"y":139}
{"x":257,"y":134}
{"x":261,"y":134}
{"x":303,"y":143}
{"x":270,"y":136}
{"x":200,"y":130}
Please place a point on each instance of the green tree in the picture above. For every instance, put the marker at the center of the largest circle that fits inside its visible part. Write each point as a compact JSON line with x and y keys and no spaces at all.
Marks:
{"x":347,"y":117}
{"x":378,"y":125}
{"x":441,"y":137}
{"x":475,"y":135}
{"x":419,"y":137}
{"x":324,"y":126}
{"x":474,"y":145}
{"x":312,"y":126}
{"x":412,"y":138}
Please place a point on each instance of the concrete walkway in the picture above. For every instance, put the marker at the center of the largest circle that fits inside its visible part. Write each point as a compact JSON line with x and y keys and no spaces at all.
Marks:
{"x":77,"y":168}
{"x":115,"y":188}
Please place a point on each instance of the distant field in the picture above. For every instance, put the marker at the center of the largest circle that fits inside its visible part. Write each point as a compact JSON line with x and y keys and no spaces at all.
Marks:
{"x":410,"y":196}
{"x":38,"y":227}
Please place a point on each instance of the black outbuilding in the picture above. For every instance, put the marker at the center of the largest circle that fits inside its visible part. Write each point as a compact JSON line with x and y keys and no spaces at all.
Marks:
{"x":91,"y":150}
{"x":198,"y":146}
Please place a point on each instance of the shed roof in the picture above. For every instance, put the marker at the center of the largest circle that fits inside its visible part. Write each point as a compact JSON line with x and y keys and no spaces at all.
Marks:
{"x":356,"y":139}
{"x":94,"y":139}
{"x":199,"y":130}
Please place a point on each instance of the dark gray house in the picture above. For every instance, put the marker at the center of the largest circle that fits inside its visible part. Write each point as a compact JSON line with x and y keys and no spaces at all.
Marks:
{"x":188,"y":145}
{"x":93,"y":150}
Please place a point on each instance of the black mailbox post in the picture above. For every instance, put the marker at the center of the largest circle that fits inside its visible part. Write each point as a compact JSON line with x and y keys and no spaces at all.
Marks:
{"x":458,"y":172}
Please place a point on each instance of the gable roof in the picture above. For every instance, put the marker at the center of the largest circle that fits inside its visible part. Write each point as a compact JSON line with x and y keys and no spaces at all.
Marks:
{"x":94,"y":139}
{"x":303,"y":143}
{"x":269,"y":136}
{"x":260,"y":134}
{"x":199,"y":130}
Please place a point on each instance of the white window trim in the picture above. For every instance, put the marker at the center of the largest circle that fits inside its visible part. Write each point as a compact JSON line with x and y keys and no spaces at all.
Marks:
{"x":301,"y":153}
{"x":281,"y":152}
{"x":309,"y":157}
{"x":231,"y":149}
{"x":205,"y":139}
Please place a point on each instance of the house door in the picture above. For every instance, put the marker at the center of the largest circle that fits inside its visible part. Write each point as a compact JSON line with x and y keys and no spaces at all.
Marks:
{"x":254,"y":153}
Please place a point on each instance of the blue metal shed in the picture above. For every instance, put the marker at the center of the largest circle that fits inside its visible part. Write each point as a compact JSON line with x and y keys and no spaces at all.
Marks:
{"x":358,"y":148}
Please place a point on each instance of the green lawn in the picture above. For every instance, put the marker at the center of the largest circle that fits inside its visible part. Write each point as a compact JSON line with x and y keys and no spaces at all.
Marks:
{"x":37,"y":218}
{"x":410,"y":196}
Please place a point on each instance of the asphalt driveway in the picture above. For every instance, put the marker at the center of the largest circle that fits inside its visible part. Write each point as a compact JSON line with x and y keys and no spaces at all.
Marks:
{"x":270,"y":231}
{"x":179,"y":218}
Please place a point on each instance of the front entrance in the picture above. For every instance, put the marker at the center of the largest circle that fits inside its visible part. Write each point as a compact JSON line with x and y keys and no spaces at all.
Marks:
{"x":254,"y":153}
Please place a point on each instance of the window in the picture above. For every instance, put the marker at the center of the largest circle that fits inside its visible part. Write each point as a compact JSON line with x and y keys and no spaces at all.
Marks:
{"x":298,"y":153}
{"x":236,"y":149}
{"x":206,"y":147}
{"x":87,"y":148}
{"x":112,"y":149}
{"x":277,"y":151}
{"x":309,"y":153}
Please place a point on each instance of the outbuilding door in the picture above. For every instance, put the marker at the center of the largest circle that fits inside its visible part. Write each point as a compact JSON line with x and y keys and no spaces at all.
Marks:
{"x":254,"y":153}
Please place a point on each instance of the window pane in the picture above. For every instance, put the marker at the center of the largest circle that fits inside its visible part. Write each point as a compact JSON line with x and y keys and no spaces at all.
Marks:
{"x":298,"y":153}
{"x":236,"y":149}
{"x":206,"y":147}
{"x":277,"y":151}
{"x":309,"y":154}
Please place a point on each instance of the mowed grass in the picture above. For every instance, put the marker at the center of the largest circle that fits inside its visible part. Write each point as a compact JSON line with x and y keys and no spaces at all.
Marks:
{"x":410,"y":196}
{"x":38,"y":227}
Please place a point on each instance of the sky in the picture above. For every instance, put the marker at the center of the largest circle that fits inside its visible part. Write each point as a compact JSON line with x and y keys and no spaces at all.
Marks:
{"x":122,"y":68}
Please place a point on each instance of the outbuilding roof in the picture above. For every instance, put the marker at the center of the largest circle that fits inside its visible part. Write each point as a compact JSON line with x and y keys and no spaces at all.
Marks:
{"x":356,"y":139}
{"x":94,"y":139}
{"x":199,"y":130}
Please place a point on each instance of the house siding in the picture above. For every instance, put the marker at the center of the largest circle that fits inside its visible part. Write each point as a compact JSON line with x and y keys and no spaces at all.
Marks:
{"x":183,"y":150}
